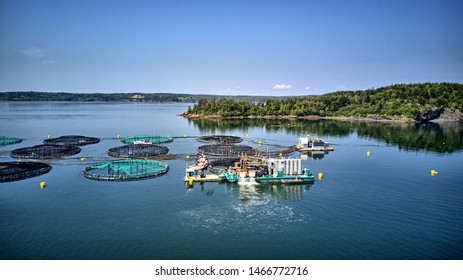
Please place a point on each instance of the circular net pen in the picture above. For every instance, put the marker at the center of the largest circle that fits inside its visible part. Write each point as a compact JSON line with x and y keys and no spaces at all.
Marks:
{"x":5,"y":140}
{"x":225,"y":150}
{"x":131,"y":151}
{"x":126,"y":170}
{"x":147,"y":139}
{"x":45,"y":152}
{"x":72,"y":140}
{"x":220,"y":139}
{"x":13,"y":171}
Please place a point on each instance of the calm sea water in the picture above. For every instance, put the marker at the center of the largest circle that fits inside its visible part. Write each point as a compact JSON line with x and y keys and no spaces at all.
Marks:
{"x":386,"y":206}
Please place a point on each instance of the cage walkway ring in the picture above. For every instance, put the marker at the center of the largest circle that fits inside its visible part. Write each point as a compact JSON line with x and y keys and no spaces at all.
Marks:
{"x":126,"y":170}
{"x":45,"y":152}
{"x":131,"y":151}
{"x":6,"y":140}
{"x":72,"y":140}
{"x":146,"y":139}
{"x":14,"y":171}
{"x":220,"y":139}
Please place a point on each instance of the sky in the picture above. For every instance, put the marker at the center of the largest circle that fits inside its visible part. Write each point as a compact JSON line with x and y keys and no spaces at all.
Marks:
{"x":270,"y":47}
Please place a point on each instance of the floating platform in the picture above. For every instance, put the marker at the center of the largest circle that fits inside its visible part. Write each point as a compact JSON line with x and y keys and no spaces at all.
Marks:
{"x":315,"y":149}
{"x":283,"y":179}
{"x":307,"y":144}
{"x":207,"y":178}
{"x":254,"y":170}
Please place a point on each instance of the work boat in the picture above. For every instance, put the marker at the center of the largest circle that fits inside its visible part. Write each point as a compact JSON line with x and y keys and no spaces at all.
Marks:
{"x":316,"y":144}
{"x":198,"y":171}
{"x":253,"y":169}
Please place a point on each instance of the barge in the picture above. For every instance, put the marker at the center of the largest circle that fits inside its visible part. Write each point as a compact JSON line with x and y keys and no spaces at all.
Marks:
{"x":267,"y":170}
{"x":307,"y":144}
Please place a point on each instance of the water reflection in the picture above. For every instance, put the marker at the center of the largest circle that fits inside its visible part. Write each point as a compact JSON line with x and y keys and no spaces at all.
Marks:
{"x":208,"y":191}
{"x":316,"y":155}
{"x":250,"y":192}
{"x":297,"y":127}
{"x":433,"y":137}
{"x":445,"y":137}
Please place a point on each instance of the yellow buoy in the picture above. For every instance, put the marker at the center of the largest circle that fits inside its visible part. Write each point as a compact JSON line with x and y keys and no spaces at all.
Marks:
{"x":434,"y":172}
{"x":118,"y":136}
{"x":320,"y":176}
{"x":368,"y":153}
{"x":190,"y":181}
{"x":281,"y":155}
{"x":43,"y":185}
{"x":184,"y":135}
{"x":247,"y":135}
{"x":49,"y":136}
{"x":187,"y":157}
{"x":82,"y":159}
{"x":260,"y":143}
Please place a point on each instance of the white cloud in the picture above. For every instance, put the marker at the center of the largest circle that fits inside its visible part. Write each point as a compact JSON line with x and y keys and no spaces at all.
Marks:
{"x":39,"y":55}
{"x":307,"y":88}
{"x":48,"y":62}
{"x":33,"y":52}
{"x":232,"y":89}
{"x":282,"y":86}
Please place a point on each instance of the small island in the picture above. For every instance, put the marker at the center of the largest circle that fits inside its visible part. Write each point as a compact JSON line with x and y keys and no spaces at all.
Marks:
{"x":402,"y":102}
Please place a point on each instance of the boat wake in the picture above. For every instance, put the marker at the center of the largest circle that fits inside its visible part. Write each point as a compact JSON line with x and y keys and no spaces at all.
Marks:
{"x":250,"y":215}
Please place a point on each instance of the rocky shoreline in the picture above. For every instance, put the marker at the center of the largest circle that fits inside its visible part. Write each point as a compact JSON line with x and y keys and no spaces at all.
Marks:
{"x":447,"y":115}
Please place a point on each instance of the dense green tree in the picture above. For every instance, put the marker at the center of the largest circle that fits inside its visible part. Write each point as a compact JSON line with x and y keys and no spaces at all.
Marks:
{"x":394,"y":101}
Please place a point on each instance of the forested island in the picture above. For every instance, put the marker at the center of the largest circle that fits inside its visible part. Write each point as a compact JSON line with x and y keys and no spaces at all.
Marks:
{"x":396,"y":102}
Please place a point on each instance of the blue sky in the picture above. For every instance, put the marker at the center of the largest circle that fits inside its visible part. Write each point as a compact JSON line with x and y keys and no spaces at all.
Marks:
{"x":228,"y":47}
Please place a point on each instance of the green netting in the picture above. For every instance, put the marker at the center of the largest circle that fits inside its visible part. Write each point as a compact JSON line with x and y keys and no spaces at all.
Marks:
{"x":148,"y":139}
{"x":126,"y":170}
{"x":6,"y":140}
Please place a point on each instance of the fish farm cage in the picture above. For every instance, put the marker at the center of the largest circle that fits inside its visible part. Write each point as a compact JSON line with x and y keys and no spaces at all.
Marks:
{"x":131,"y":151}
{"x":45,"y":152}
{"x":147,"y":139}
{"x":220,"y":139}
{"x":223,"y":161}
{"x":72,"y":140}
{"x":14,"y":171}
{"x":126,"y":170}
{"x":225,"y":150}
{"x":5,"y":140}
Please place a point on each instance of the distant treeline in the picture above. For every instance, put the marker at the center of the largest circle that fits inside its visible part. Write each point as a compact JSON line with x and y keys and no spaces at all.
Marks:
{"x":395,"y":101}
{"x":94,"y":97}
{"x":116,"y":97}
